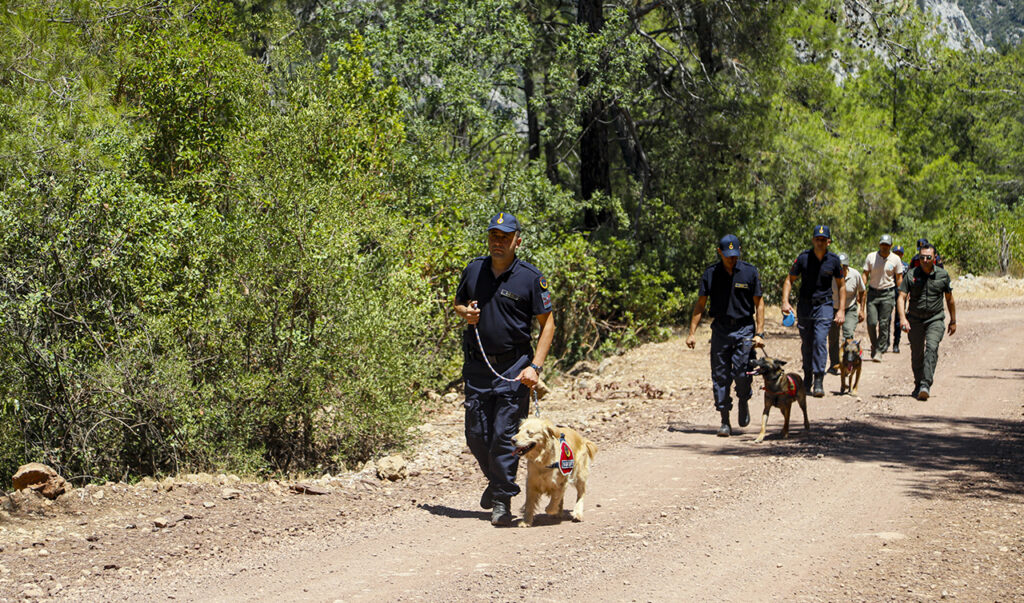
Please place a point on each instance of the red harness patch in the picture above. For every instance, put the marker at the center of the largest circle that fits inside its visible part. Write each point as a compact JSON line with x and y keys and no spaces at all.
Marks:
{"x":566,"y":462}
{"x":791,"y":389}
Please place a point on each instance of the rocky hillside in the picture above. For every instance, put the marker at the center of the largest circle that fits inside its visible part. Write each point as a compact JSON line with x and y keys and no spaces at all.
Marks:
{"x":954,"y":24}
{"x":997,"y":22}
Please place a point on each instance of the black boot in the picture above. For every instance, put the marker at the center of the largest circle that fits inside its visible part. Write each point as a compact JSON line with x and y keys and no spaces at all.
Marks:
{"x":487,"y":498}
{"x":744,"y":417}
{"x":500,"y":515}
{"x":818,"y":391}
{"x":726,"y":429}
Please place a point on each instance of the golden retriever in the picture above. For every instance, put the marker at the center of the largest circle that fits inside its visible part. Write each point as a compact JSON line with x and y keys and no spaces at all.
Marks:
{"x":550,"y":466}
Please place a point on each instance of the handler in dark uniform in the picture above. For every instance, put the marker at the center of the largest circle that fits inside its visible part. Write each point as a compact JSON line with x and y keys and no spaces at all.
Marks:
{"x":498,"y":296}
{"x":738,"y":312}
{"x":923,"y":320}
{"x":816,"y":268}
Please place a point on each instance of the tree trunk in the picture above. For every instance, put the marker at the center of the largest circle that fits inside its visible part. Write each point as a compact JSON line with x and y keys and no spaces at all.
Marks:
{"x":594,"y":173}
{"x":532,"y":125}
{"x":705,"y":38}
{"x":1004,"y":250}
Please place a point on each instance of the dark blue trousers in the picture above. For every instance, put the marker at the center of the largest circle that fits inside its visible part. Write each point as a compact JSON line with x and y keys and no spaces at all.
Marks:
{"x":494,"y":409}
{"x":731,"y":351}
{"x":813,"y":323}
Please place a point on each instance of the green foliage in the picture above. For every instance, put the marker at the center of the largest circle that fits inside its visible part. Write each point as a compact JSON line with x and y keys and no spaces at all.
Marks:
{"x":231,"y":232}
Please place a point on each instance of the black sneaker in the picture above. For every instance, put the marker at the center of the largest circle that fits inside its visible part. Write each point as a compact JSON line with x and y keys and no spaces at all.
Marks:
{"x":833,"y":371}
{"x":500,"y":515}
{"x":744,"y":417}
{"x":917,"y":390}
{"x":896,"y":349}
{"x":487,"y":498}
{"x":922,"y":394}
{"x":818,"y":391}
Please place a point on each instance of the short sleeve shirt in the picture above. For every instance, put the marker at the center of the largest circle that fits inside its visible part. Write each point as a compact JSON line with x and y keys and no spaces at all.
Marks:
{"x":816,"y":275}
{"x":854,"y":285}
{"x":732,"y":295}
{"x":508,"y":302}
{"x":882,"y":271}
{"x":926,"y":291}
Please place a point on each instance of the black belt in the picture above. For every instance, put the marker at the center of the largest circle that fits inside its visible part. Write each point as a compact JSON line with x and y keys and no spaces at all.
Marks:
{"x":818,"y":301}
{"x":502,"y":358}
{"x":725,"y":321}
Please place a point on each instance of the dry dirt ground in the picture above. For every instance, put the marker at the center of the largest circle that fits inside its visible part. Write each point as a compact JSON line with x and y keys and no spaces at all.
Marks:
{"x":886,"y":498}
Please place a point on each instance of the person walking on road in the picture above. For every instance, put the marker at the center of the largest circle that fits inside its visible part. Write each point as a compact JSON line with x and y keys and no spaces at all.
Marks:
{"x":498,"y":296}
{"x":737,"y":308}
{"x":883,"y":272}
{"x":897,"y":331}
{"x":817,"y":268}
{"x":921,"y":294}
{"x":855,"y":294}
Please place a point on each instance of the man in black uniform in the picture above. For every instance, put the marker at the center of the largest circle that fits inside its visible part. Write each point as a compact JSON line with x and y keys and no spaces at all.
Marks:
{"x":498,"y":296}
{"x":920,"y":308}
{"x":738,"y":309}
{"x":816,"y":268}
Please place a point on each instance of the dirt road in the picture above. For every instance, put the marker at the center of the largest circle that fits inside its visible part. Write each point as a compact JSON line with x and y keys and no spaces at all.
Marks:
{"x":887,"y":498}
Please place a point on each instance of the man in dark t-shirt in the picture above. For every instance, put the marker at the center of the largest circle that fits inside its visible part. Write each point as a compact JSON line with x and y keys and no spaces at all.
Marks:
{"x":737,"y":308}
{"x":499,"y":295}
{"x":817,"y":268}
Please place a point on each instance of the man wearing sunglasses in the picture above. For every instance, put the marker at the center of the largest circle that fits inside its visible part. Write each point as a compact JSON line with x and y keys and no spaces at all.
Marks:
{"x":922,"y":317}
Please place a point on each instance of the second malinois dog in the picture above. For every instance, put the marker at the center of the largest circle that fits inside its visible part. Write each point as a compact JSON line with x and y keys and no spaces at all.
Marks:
{"x":849,"y":366}
{"x":781,"y":389}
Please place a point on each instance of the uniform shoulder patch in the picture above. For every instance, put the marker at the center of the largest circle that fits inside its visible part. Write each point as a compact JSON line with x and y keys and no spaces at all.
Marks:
{"x":543,"y":282}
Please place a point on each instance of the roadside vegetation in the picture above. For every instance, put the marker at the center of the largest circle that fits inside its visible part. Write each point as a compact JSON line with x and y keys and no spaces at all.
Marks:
{"x":230,"y":232}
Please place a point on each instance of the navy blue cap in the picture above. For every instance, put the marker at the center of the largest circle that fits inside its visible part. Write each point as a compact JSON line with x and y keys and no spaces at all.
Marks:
{"x":504,"y":222}
{"x":729,"y":245}
{"x":921,"y":242}
{"x":821,"y":231}
{"x":897,"y":249}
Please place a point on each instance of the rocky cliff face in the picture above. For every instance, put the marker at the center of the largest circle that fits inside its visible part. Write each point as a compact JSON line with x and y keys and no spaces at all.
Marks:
{"x":953,"y":27}
{"x":998,"y":22}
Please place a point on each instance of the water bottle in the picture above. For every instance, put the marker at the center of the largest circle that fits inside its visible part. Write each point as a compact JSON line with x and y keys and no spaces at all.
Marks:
{"x":789,"y":319}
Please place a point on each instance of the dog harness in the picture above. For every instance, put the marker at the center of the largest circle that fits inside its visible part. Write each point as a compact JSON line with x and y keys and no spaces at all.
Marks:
{"x":566,"y":461}
{"x":791,"y":389}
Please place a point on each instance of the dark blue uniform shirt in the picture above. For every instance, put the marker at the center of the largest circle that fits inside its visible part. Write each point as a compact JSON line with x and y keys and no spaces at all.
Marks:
{"x":508,"y":302}
{"x":816,"y":276}
{"x":732,"y":295}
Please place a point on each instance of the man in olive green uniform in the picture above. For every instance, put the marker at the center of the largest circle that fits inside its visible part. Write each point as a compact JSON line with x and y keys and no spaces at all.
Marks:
{"x":923,"y":319}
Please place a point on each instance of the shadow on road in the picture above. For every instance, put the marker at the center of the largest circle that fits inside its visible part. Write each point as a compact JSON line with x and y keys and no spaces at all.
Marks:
{"x":451,"y":513}
{"x":975,"y":457}
{"x":1012,"y":373}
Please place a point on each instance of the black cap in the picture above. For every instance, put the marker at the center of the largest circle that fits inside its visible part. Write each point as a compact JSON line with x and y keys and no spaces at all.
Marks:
{"x":821,"y":231}
{"x":729,"y":245}
{"x":504,"y":222}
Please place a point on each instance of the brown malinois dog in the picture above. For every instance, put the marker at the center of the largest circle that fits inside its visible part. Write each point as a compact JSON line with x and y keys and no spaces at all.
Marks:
{"x":849,"y":366}
{"x":781,"y":389}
